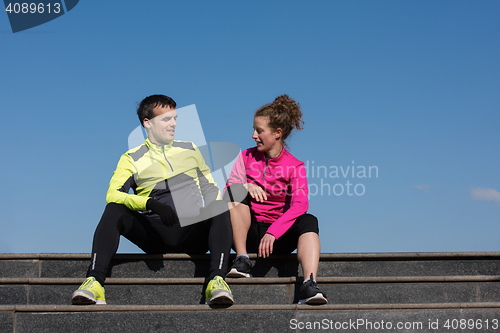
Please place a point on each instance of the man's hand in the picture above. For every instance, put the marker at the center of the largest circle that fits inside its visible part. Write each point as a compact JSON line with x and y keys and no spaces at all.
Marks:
{"x":266,"y":245}
{"x":167,"y":214}
{"x":256,"y":192}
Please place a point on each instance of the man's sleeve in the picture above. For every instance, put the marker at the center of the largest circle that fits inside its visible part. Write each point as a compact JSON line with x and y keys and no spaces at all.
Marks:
{"x":123,"y":179}
{"x":208,"y":186}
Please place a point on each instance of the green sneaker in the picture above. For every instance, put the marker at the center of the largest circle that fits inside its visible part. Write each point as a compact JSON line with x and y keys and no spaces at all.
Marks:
{"x":90,"y":292}
{"x":218,"y":292}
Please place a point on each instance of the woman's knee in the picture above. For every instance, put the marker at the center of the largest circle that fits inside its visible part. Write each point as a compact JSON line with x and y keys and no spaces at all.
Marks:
{"x":307,"y":223}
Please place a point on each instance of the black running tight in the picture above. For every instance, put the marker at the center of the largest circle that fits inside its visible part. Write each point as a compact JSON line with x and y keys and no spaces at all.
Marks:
{"x":153,"y":237}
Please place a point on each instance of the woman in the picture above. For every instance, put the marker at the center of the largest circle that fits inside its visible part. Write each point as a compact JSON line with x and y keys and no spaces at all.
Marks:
{"x":267,"y":194}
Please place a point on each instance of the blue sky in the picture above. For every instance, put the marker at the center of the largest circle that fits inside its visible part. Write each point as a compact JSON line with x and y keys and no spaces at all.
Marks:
{"x":410,"y":88}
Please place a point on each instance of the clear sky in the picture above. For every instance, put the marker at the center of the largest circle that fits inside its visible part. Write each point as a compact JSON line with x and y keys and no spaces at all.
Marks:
{"x":409,"y":90}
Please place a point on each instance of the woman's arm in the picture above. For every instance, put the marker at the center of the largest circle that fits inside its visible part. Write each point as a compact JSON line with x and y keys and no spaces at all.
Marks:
{"x":298,"y":205}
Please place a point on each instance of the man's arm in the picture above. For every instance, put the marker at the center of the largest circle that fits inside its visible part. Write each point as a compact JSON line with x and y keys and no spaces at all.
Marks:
{"x":122,"y":181}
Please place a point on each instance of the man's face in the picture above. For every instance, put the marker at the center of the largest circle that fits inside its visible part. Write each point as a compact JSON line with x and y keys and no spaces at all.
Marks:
{"x":161,"y":128}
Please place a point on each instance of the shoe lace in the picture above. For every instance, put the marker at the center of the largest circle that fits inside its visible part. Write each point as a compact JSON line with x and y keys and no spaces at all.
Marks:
{"x":238,"y":259}
{"x":86,"y":283}
{"x":314,"y":285}
{"x":221,"y":284}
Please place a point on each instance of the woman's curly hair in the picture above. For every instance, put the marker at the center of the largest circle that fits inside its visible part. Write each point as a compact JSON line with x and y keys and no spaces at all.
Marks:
{"x":283,"y":113}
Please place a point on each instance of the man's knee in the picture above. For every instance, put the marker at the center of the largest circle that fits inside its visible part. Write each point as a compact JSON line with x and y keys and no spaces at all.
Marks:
{"x":219,"y":216}
{"x":236,"y":193}
{"x":116,"y":209}
{"x":116,"y":214}
{"x":217,"y":208}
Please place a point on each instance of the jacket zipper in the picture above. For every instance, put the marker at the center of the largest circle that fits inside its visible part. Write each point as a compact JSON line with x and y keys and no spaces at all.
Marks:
{"x":267,"y":160}
{"x":167,"y":159}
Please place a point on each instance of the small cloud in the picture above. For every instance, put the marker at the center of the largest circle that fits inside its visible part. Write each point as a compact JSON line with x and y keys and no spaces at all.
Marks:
{"x":423,"y":187}
{"x":485,"y":194}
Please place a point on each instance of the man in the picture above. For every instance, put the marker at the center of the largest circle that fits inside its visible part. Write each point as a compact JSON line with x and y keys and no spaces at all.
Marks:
{"x":170,"y":181}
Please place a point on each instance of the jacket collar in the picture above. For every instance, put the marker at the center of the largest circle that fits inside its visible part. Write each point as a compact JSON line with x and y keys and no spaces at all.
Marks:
{"x":155,"y":147}
{"x":274,"y":159}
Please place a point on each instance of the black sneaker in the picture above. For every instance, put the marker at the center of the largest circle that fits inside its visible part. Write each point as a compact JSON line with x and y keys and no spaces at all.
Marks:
{"x":310,"y":293}
{"x":241,"y":268}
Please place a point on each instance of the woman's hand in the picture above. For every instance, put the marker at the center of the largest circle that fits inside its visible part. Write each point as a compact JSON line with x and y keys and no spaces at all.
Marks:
{"x":256,"y":192}
{"x":266,"y":245}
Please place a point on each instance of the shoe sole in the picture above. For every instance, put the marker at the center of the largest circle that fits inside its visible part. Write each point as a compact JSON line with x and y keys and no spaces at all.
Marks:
{"x":317,"y":299}
{"x":80,"y":298}
{"x":234,"y":273}
{"x":221,"y":299}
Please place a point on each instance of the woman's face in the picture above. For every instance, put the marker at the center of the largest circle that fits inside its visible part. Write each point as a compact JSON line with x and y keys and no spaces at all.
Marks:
{"x":264,"y":137}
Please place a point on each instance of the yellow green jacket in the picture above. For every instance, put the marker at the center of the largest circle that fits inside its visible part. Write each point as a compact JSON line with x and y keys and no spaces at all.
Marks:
{"x":175,"y":174}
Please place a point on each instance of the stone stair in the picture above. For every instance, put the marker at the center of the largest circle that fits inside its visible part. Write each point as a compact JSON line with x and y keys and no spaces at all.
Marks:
{"x":368,"y":292}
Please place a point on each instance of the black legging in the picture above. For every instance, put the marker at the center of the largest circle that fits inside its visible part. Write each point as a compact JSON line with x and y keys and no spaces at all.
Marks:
{"x":287,"y":243}
{"x":153,"y":237}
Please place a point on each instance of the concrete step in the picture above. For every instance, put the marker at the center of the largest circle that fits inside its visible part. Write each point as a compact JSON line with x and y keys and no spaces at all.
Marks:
{"x":241,"y":318}
{"x":260,"y":290}
{"x":182,"y":265}
{"x":159,"y":293}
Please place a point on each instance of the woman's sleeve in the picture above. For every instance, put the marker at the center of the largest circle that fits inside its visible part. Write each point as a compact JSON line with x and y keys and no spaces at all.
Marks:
{"x":238,"y":173}
{"x":298,"y":205}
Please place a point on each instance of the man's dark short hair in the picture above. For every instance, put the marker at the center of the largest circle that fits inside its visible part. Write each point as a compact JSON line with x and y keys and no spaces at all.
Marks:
{"x":148,"y":104}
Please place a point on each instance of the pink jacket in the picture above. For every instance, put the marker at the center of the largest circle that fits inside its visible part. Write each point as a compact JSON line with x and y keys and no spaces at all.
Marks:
{"x":283,"y":179}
